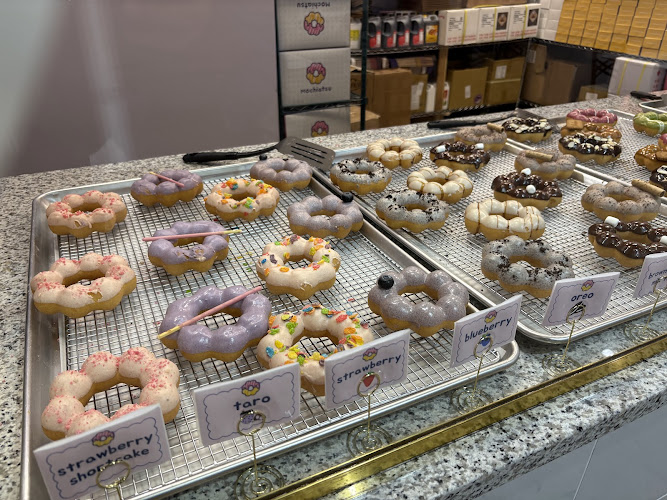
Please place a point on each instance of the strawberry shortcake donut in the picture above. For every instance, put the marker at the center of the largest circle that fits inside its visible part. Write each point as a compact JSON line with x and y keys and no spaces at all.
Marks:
{"x":246,"y":199}
{"x":81,"y":215}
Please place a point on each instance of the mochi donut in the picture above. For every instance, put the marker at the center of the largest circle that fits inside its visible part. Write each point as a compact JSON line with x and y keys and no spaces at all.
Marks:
{"x":360,"y":175}
{"x":71,"y":390}
{"x":425,"y":318}
{"x":527,"y":129}
{"x":493,"y":140}
{"x":283,"y":173}
{"x":198,"y":342}
{"x":590,"y":146}
{"x":459,"y":155}
{"x":577,"y":118}
{"x":446,"y":184}
{"x":651,"y":157}
{"x":176,"y":260}
{"x":58,"y":291}
{"x":328,"y":216}
{"x":527,"y":189}
{"x":150,"y":189}
{"x":81,"y":215}
{"x":601,"y":130}
{"x":500,"y":262}
{"x":302,"y":282}
{"x":601,"y":199}
{"x":242,"y":198}
{"x":561,"y":165}
{"x":627,"y":242}
{"x":651,"y":123}
{"x":394,"y":152}
{"x":279,"y":346}
{"x":412,"y":210}
{"x":499,"y":219}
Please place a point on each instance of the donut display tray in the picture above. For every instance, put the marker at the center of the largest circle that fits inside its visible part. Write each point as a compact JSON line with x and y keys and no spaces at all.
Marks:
{"x":55,"y":343}
{"x":657,"y":106}
{"x":458,"y":252}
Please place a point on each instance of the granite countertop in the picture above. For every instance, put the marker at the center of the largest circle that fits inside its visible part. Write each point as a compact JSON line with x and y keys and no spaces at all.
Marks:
{"x":499,"y":452}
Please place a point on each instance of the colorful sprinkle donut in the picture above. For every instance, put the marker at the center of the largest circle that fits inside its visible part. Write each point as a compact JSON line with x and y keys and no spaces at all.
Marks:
{"x":302,"y":282}
{"x":315,"y":73}
{"x":150,"y":190}
{"x":360,"y":175}
{"x":446,"y":184}
{"x":279,"y":347}
{"x":198,"y":342}
{"x":81,"y":215}
{"x":242,"y":198}
{"x":328,"y":216}
{"x":283,"y":173}
{"x":396,"y":209}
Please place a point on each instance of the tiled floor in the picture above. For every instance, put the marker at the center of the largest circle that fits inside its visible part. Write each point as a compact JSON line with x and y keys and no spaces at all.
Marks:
{"x":627,"y":464}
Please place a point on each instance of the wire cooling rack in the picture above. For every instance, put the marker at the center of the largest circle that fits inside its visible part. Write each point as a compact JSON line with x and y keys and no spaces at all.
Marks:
{"x":458,"y":252}
{"x":365,"y":255}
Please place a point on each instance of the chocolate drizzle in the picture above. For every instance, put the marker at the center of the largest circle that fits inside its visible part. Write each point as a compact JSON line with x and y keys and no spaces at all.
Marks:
{"x":590,"y":144}
{"x":514,"y":184}
{"x":527,"y":126}
{"x":659,"y":177}
{"x":606,"y":235}
{"x":460,"y":152}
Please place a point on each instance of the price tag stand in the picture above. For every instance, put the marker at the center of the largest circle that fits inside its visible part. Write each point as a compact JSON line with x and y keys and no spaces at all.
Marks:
{"x":367,"y":437}
{"x":465,"y":399}
{"x":258,"y":479}
{"x":114,"y":485}
{"x":642,"y":333}
{"x":557,"y":364}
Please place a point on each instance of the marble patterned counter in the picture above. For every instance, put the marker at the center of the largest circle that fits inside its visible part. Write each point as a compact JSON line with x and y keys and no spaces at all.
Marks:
{"x":463,"y":469}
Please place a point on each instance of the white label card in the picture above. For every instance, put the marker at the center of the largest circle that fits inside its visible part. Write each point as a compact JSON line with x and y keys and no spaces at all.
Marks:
{"x":497,"y":324}
{"x":654,"y":268}
{"x":501,"y":72}
{"x":69,"y":466}
{"x":467,"y":90}
{"x":593,"y":292}
{"x":387,"y":357}
{"x":275,"y":393}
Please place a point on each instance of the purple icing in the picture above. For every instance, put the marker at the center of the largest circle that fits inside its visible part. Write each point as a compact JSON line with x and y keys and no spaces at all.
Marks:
{"x":151,"y":184}
{"x":253,"y":323}
{"x":170,"y":254}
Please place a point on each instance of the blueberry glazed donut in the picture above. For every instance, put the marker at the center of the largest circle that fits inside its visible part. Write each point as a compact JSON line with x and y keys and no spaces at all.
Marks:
{"x":328,"y":216}
{"x":285,"y":174}
{"x":150,"y":189}
{"x":360,"y":175}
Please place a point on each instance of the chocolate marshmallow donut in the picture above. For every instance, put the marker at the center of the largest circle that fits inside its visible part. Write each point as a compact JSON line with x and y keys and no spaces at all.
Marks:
{"x":589,"y":146}
{"x":527,"y":189}
{"x":459,"y":155}
{"x":627,"y":242}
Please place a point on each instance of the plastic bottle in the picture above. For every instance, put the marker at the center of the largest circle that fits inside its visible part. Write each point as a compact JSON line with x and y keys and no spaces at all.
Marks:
{"x":389,"y":31}
{"x":431,"y":25}
{"x":430,"y":98}
{"x":402,"y":29}
{"x":416,"y":30}
{"x":355,"y":34}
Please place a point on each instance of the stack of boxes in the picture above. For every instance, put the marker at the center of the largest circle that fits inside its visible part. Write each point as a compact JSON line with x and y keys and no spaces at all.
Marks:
{"x":314,"y":45}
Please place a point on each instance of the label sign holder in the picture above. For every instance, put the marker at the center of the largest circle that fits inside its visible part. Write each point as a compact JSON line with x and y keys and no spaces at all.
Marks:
{"x":114,"y":485}
{"x":365,"y":438}
{"x":642,"y":333}
{"x":465,"y":399}
{"x":557,"y":364}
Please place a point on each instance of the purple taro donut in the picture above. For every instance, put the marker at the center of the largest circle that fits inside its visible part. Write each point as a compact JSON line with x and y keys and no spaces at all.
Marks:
{"x":424,"y":318}
{"x":328,"y":216}
{"x":150,"y":189}
{"x":285,"y":174}
{"x":176,"y":260}
{"x":198,"y":342}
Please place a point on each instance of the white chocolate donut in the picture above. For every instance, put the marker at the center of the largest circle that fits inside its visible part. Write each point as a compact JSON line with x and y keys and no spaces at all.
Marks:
{"x":394,"y":152}
{"x":81,"y":215}
{"x":446,"y":184}
{"x":500,"y":219}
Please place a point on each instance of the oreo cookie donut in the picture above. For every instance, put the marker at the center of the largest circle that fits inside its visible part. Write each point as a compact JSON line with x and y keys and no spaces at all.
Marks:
{"x":528,"y":189}
{"x":578,"y":118}
{"x":283,"y":173}
{"x":492,"y":139}
{"x":447,"y":184}
{"x":626,"y":203}
{"x":527,"y":129}
{"x":328,"y":216}
{"x":360,"y":175}
{"x":458,"y":155}
{"x":588,"y":146}
{"x":650,"y":123}
{"x":627,"y":242}
{"x":651,"y":157}
{"x":501,"y":262}
{"x":412,"y":210}
{"x":386,"y":299}
{"x":561,"y":166}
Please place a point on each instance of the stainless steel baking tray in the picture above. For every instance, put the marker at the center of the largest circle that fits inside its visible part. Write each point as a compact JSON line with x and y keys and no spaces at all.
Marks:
{"x":657,"y":106}
{"x":459,"y":253}
{"x":54,"y":343}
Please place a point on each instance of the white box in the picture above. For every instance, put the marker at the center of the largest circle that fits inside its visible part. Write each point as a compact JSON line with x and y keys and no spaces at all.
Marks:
{"x":318,"y":123}
{"x":549,"y":34}
{"x":556,"y":5}
{"x":532,"y":20}
{"x":314,"y":76}
{"x":632,"y":74}
{"x":554,"y":14}
{"x":543,"y":20}
{"x":486,"y":27}
{"x":450,"y":31}
{"x":516,"y":22}
{"x":321,"y":25}
{"x":470,"y":25}
{"x":545,"y":4}
{"x":552,"y":25}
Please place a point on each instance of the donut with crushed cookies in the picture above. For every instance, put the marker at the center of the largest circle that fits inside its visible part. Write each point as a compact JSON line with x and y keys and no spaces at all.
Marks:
{"x":458,"y":155}
{"x":626,"y":203}
{"x":629,"y":243}
{"x":360,"y":175}
{"x":447,"y":184}
{"x":528,"y":189}
{"x":412,"y":210}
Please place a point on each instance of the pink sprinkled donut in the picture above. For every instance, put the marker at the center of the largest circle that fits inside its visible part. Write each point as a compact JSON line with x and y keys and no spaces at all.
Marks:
{"x":577,"y":117}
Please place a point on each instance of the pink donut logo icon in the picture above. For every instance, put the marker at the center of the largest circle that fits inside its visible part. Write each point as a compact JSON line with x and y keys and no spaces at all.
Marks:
{"x":103,"y":438}
{"x":250,"y":388}
{"x":490,"y":317}
{"x":587,"y":285}
{"x":315,"y":73}
{"x":313,"y":23}
{"x":319,"y":129}
{"x":370,"y":354}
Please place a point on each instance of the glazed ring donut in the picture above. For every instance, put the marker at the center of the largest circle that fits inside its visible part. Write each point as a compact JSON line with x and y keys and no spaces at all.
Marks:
{"x":650,"y":123}
{"x":201,"y":257}
{"x":596,"y":128}
{"x":242,"y":198}
{"x":560,"y":167}
{"x":425,"y":318}
{"x":279,"y":347}
{"x":627,"y":242}
{"x":651,"y":157}
{"x":328,"y":216}
{"x":459,"y":155}
{"x":58,"y":291}
{"x":527,"y":189}
{"x":500,"y":219}
{"x":71,"y":390}
{"x":397,"y":209}
{"x":446,"y":184}
{"x":302,"y":282}
{"x":394,"y":152}
{"x":577,"y":118}
{"x":500,"y":262}
{"x":601,"y":199}
{"x":81,"y":215}
{"x":198,"y":342}
{"x":150,"y":189}
{"x":491,"y":139}
{"x":360,"y":175}
{"x":587,"y":146}
{"x":285,"y":174}
{"x":527,"y":129}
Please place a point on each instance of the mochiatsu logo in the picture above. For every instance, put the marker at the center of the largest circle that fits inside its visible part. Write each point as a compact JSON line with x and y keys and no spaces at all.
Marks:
{"x":370,"y":354}
{"x":103,"y":438}
{"x":313,"y":23}
{"x":319,"y":128}
{"x":250,"y":388}
{"x":315,"y":73}
{"x":587,"y":285}
{"x":490,"y":316}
